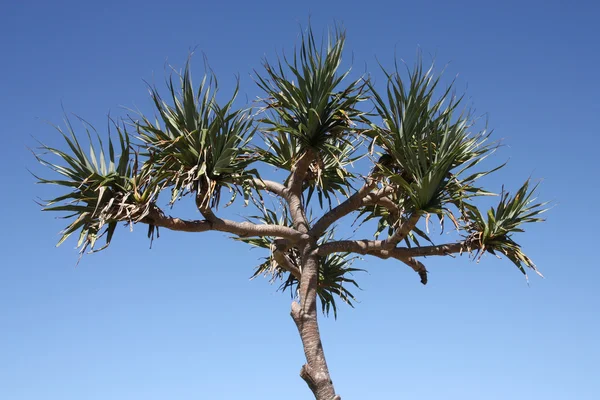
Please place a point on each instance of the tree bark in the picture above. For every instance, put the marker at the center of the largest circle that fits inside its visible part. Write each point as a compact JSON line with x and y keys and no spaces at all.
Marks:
{"x":304,"y":314}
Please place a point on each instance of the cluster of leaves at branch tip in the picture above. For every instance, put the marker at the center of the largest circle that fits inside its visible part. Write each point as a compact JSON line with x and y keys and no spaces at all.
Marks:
{"x":420,"y":134}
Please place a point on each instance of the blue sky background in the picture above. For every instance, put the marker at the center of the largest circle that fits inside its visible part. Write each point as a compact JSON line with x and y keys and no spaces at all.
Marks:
{"x":182,"y":321}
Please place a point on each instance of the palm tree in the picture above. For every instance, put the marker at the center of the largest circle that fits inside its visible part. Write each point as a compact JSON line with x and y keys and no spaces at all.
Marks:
{"x":422,"y":144}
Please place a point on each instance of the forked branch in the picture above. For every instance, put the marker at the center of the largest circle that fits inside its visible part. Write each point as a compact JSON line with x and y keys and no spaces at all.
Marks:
{"x":402,"y":231}
{"x":351,"y":204}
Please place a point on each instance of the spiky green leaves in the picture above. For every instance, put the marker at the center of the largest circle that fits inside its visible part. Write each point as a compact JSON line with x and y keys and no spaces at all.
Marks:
{"x":308,"y":106}
{"x":335,"y":277}
{"x":307,"y":97}
{"x":423,"y":143}
{"x":101,"y":190}
{"x":426,"y":143}
{"x":427,"y":154}
{"x":494,"y":233}
{"x":199,"y":146}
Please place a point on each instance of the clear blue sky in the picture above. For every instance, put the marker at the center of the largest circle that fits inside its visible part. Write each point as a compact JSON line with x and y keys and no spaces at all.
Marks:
{"x":182,"y":321}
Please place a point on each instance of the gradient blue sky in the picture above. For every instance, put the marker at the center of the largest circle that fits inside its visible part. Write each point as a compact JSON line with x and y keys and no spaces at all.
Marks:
{"x":182,"y":321}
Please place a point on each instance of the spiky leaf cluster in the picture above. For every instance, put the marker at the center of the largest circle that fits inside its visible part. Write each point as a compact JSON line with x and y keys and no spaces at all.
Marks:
{"x":426,"y":143}
{"x":494,"y":233}
{"x":309,"y":108}
{"x":101,"y":190}
{"x":198,"y":146}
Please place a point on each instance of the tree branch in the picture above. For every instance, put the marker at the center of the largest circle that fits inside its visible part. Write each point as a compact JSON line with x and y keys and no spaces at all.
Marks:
{"x":418,"y":267}
{"x":243,"y":229}
{"x":376,"y":248}
{"x":383,"y":201}
{"x":299,"y":170}
{"x":379,"y":195}
{"x":158,"y":218}
{"x":208,"y":213}
{"x":402,"y":231}
{"x":270,"y":186}
{"x":352,"y":203}
{"x":439,"y":250}
{"x":388,"y":246}
{"x":293,"y":192}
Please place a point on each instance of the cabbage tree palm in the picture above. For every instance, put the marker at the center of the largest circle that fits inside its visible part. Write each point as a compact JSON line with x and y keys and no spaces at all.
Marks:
{"x":395,"y":158}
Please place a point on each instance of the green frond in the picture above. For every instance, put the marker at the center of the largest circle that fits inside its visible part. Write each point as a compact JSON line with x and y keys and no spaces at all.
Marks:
{"x":100,"y":190}
{"x":305,"y":95}
{"x":426,"y":144}
{"x":335,"y":273}
{"x":493,"y":233}
{"x":198,"y":146}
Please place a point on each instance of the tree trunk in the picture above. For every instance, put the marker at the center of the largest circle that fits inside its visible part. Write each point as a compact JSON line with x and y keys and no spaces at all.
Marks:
{"x":315,"y":371}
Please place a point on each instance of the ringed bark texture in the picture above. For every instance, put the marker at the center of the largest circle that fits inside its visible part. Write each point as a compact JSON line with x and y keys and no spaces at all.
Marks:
{"x":315,"y":371}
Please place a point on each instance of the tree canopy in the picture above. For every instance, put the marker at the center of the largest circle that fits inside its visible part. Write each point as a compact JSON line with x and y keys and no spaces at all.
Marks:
{"x":396,"y":158}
